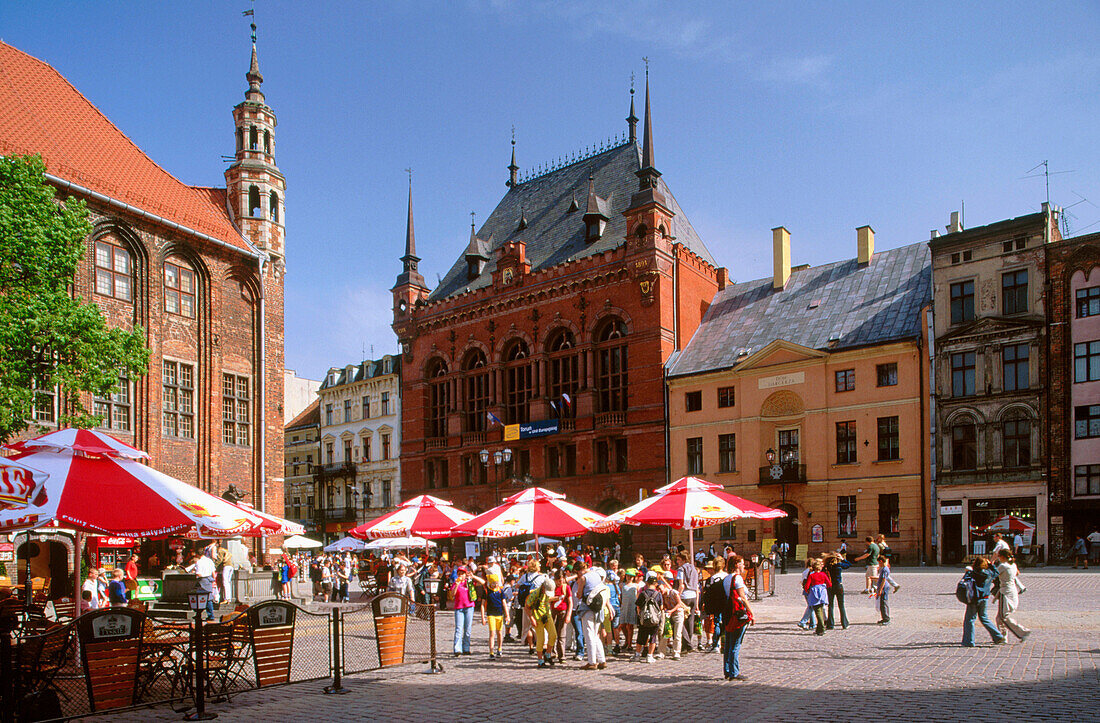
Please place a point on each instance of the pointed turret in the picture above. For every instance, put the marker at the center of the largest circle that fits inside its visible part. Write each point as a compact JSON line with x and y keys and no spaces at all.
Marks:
{"x":648,"y":175}
{"x":595,"y":217}
{"x":513,"y":169}
{"x":255,"y":79}
{"x":476,"y":256}
{"x":632,"y":120}
{"x":409,"y":274}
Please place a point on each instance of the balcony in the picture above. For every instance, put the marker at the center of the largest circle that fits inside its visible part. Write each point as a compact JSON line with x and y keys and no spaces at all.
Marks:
{"x":567,"y":425}
{"x":435,"y":443}
{"x":611,"y":419}
{"x":473,"y":438}
{"x":787,"y":474}
{"x":338,"y":514}
{"x":335,"y":469}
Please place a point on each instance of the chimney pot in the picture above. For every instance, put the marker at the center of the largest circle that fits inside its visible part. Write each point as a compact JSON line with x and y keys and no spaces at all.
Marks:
{"x":865,"y":241}
{"x":781,"y":257}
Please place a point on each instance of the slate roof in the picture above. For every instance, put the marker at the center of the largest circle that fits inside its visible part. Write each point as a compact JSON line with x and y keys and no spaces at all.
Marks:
{"x":41,"y":112}
{"x":859,"y":306}
{"x":364,"y":370}
{"x":555,"y":235}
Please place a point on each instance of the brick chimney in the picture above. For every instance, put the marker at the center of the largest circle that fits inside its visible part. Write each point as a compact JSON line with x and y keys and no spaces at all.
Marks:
{"x":865,"y":240}
{"x":781,"y":256}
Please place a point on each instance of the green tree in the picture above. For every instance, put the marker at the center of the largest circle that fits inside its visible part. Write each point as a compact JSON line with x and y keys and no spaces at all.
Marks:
{"x":49,"y":337}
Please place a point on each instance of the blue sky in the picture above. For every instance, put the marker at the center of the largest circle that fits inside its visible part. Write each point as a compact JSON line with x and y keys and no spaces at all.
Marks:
{"x":818,"y":116}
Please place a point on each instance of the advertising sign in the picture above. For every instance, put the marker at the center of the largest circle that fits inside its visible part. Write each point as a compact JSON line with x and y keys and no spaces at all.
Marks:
{"x":512,"y":432}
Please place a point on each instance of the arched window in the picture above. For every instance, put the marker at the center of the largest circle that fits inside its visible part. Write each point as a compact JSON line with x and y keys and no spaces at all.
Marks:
{"x":273,"y":204}
{"x":255,"y":210}
{"x":438,"y":398}
{"x":179,"y":287}
{"x":1016,"y":438}
{"x":562,"y":374}
{"x":114,"y":270}
{"x":611,"y":379}
{"x":517,"y":382}
{"x":475,"y":387}
{"x":240,"y":139}
{"x":253,"y":139}
{"x":267,"y":141}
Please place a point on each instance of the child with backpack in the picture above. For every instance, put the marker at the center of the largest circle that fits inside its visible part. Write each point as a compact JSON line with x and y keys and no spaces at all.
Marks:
{"x":651,"y":619}
{"x":975,"y":588}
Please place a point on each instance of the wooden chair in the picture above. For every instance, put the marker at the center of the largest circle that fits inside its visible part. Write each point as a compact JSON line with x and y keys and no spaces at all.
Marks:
{"x":38,"y":661}
{"x":111,"y":644}
{"x":40,"y":590}
{"x":64,"y":608}
{"x":222,"y":658}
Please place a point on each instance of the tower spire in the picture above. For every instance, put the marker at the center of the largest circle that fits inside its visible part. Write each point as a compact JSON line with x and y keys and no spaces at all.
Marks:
{"x":632,"y":120}
{"x":255,"y":79}
{"x":647,"y":141}
{"x":512,"y":167}
{"x":410,"y":234}
{"x":649,"y":188}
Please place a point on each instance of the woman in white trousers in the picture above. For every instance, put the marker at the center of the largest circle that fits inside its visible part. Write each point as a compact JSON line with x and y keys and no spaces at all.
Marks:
{"x":1009,"y":595}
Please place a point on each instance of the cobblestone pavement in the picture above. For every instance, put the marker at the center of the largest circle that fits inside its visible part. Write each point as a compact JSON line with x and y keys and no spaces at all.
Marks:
{"x":913,"y":669}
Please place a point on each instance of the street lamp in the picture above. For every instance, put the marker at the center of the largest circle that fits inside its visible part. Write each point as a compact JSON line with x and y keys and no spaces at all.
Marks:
{"x":499,"y":457}
{"x":197,"y":600}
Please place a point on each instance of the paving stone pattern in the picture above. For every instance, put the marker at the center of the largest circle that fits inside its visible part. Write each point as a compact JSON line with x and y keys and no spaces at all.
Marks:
{"x":913,"y":669}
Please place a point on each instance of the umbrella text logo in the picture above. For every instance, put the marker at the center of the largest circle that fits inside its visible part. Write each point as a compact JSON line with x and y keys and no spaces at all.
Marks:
{"x":194,"y":508}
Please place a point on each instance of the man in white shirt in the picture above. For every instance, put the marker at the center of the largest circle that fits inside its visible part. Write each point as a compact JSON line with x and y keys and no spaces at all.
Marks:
{"x":998,"y":545}
{"x":91,"y":585}
{"x":561,"y":551}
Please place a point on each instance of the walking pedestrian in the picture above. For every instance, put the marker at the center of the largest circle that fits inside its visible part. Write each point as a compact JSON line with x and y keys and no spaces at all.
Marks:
{"x":1008,"y":579}
{"x":674,"y":618}
{"x":628,"y":616}
{"x":1094,"y":544}
{"x":525,"y":586}
{"x":1080,"y":553}
{"x":834,"y":565}
{"x":738,"y":617}
{"x":495,"y":610}
{"x":816,"y":587}
{"x":688,"y":586}
{"x":882,"y":590}
{"x":808,"y":613}
{"x":650,"y":618}
{"x":538,"y":608}
{"x":978,"y":609}
{"x":592,"y":599}
{"x":562,"y":611}
{"x":871,"y":556}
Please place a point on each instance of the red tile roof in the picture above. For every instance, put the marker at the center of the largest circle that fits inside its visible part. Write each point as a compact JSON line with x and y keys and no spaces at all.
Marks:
{"x":43,"y":113}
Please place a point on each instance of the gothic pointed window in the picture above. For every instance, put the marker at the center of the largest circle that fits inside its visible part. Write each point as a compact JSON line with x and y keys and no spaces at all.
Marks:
{"x":267,"y":141}
{"x":562,"y":371}
{"x":611,"y":364}
{"x":255,"y":210}
{"x":273,"y":205}
{"x":179,"y":288}
{"x":517,"y":381}
{"x":475,"y":388}
{"x":438,"y":397}
{"x":253,"y":139}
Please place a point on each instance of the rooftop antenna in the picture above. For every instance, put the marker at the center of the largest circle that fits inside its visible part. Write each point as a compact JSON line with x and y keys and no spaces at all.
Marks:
{"x":1046,"y":174}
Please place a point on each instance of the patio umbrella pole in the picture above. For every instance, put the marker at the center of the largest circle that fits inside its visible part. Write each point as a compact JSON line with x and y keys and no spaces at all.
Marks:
{"x":77,"y":581}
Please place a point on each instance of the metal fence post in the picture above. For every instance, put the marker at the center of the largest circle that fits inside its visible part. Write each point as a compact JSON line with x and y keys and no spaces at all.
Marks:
{"x":435,"y":666}
{"x":336,"y":635}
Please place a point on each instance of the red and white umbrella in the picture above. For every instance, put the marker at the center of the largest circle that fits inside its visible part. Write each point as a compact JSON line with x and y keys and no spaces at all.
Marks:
{"x":19,"y":484}
{"x":272,"y":524}
{"x":122,"y":498}
{"x":687,"y":503}
{"x":422,"y":516}
{"x":89,"y":441}
{"x":1009,"y":523}
{"x":535,"y":511}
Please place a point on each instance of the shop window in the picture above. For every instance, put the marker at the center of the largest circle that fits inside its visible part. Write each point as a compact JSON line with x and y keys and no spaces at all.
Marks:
{"x":693,"y":401}
{"x":727,"y":453}
{"x":889,"y":514}
{"x":845,"y":380}
{"x":845,"y":442}
{"x":887,"y":374}
{"x":113,"y":271}
{"x":725,"y":397}
{"x":962,"y":302}
{"x":1014,"y":367}
{"x":1086,"y":361}
{"x":963,"y":365}
{"x":695,"y":455}
{"x":889,"y":439}
{"x":846,"y":515}
{"x":178,"y":399}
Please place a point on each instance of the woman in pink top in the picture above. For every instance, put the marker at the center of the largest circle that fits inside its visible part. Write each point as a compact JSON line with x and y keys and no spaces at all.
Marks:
{"x":463,"y":596}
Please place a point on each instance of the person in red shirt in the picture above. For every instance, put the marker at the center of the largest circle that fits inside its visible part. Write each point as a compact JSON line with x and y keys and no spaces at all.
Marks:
{"x":817,"y":587}
{"x":131,"y":573}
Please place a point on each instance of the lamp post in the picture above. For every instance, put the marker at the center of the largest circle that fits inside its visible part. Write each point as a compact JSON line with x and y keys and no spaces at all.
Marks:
{"x":499,"y":457}
{"x":196,"y":600}
{"x":778,"y":473}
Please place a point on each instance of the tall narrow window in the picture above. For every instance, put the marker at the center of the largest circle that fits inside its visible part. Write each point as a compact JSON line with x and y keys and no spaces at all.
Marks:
{"x":562,"y":374}
{"x":385,"y":445}
{"x":695,"y":455}
{"x":255,"y":210}
{"x":328,"y":415}
{"x":347,"y":410}
{"x":366,"y":448}
{"x":236,"y":403}
{"x":179,"y":288}
{"x":611,"y":366}
{"x":437,"y":399}
{"x":517,"y":382}
{"x":727,"y":453}
{"x":889,"y":439}
{"x":1017,"y":442}
{"x":962,"y":302}
{"x":476,"y":389}
{"x":846,"y":516}
{"x":962,"y":374}
{"x":889,"y":514}
{"x":365,"y":407}
{"x":1014,"y":359}
{"x":387,"y":493}
{"x":789,"y":452}
{"x":267,"y":141}
{"x":113,"y":271}
{"x":273,"y":206}
{"x":611,"y":455}
{"x":473,"y":471}
{"x":328,"y":453}
{"x":1014,"y":292}
{"x":964,"y":446}
{"x":178,"y":399}
{"x":45,"y":405}
{"x":347,"y":451}
{"x":114,"y":409}
{"x":845,"y":442}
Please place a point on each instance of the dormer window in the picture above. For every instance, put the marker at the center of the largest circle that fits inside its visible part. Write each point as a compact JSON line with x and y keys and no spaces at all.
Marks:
{"x":594,"y":229}
{"x":473,"y":268}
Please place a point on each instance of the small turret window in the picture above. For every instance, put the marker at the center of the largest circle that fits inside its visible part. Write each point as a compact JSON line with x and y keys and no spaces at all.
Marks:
{"x":267,"y":141}
{"x":253,"y":138}
{"x":240,"y":139}
{"x":254,"y":208}
{"x":274,"y":207}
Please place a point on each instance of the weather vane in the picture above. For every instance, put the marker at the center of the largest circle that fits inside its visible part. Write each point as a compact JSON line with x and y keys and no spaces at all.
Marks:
{"x":251,"y":13}
{"x":513,"y":134}
{"x":410,"y":172}
{"x":632,"y":82}
{"x":472,"y":221}
{"x":645,"y":59}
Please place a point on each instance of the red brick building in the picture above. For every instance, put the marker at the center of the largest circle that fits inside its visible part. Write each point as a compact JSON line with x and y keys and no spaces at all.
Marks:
{"x":200,"y":269}
{"x":1073,"y":318}
{"x":563,"y":308}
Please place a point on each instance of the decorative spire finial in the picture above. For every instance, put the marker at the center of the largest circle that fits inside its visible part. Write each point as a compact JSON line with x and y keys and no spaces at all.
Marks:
{"x":410,"y":257}
{"x":253,"y":76}
{"x":512,"y":167}
{"x":647,"y":142}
